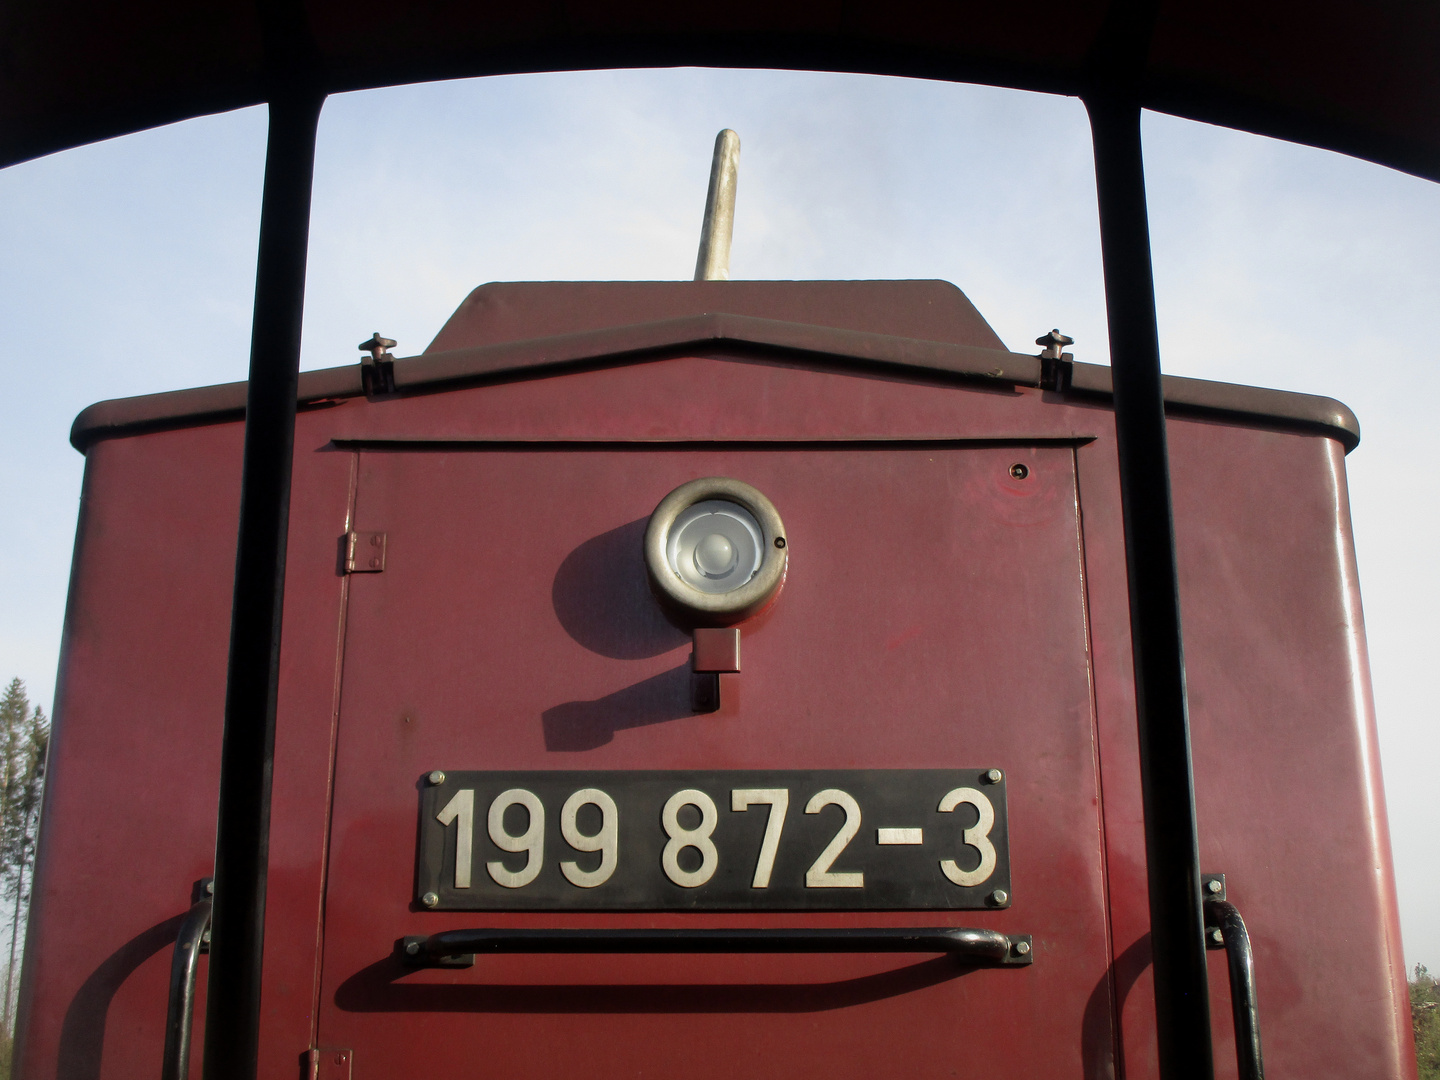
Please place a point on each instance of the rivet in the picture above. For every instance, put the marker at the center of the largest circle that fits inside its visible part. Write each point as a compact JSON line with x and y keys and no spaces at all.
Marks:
{"x":412,"y":948}
{"x":430,"y":899}
{"x":779,"y":541}
{"x":1019,"y":471}
{"x":1022,"y":948}
{"x":999,"y":897}
{"x":1217,"y":936}
{"x":993,"y":776}
{"x":1213,"y":885}
{"x":210,"y":887}
{"x":437,"y":777}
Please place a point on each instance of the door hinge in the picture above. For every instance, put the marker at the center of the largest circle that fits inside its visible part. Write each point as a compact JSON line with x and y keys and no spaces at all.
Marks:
{"x":364,"y":552}
{"x":333,"y":1064}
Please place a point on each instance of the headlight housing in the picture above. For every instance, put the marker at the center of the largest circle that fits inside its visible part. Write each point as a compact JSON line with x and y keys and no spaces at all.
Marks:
{"x":716,"y":551}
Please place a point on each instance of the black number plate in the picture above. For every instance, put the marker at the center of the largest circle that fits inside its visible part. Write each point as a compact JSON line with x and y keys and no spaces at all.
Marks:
{"x":862,"y":839}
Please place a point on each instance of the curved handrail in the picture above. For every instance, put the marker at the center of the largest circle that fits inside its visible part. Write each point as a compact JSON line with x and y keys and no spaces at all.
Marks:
{"x":989,"y":948}
{"x":1241,"y":962}
{"x":189,"y":944}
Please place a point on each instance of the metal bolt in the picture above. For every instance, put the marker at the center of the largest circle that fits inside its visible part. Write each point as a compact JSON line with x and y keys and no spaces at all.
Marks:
{"x":437,"y":778}
{"x":779,"y":541}
{"x":1019,"y":471}
{"x":412,"y":948}
{"x":1213,"y":885}
{"x":1022,"y":948}
{"x":377,"y":345}
{"x":999,"y":897}
{"x":210,"y":887}
{"x":206,"y":938}
{"x":1054,"y":342}
{"x":993,"y":776}
{"x":430,"y":899}
{"x":1217,"y":936}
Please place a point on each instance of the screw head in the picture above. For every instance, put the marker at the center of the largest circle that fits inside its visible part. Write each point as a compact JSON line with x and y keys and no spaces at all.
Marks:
{"x":1213,"y":886}
{"x":412,"y":948}
{"x":430,"y":899}
{"x":436,"y":777}
{"x":993,"y":776}
{"x":999,"y":897}
{"x":1217,"y":936}
{"x":210,"y":887}
{"x":1022,"y":948}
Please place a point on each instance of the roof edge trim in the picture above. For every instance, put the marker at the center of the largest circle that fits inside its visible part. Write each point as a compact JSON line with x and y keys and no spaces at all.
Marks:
{"x":537,"y":357}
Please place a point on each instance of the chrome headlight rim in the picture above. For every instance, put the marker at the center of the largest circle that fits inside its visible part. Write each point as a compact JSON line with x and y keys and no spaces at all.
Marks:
{"x":716,"y":609}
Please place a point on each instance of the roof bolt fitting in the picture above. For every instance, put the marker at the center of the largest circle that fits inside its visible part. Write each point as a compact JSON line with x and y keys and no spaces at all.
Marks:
{"x":436,"y":778}
{"x":412,"y":948}
{"x":993,"y":776}
{"x":1022,"y":948}
{"x":430,"y":899}
{"x":999,"y":898}
{"x":1056,"y":365}
{"x":1217,"y":936}
{"x":1214,"y":887}
{"x":1054,"y":342}
{"x":377,"y":346}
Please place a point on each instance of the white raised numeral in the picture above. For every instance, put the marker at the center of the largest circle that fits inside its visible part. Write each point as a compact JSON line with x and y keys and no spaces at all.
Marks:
{"x":698,"y":838}
{"x":779,"y":800}
{"x":606,"y":841}
{"x":820,"y":876}
{"x":462,"y":808}
{"x":977,"y":836}
{"x":532,"y":840}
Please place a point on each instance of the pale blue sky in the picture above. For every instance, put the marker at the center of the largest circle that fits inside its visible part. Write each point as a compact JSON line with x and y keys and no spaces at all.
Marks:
{"x":129,"y":269}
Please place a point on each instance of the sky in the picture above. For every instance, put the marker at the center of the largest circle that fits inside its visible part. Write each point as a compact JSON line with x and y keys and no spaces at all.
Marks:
{"x":129,"y":265}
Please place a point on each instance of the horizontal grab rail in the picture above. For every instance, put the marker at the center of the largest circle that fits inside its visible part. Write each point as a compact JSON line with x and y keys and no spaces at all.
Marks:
{"x":457,"y":948}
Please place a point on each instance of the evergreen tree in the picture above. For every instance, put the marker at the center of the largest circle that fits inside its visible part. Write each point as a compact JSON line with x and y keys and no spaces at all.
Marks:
{"x":24,"y":741}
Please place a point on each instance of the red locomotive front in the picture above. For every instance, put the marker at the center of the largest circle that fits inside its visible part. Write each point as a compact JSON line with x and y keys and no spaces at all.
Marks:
{"x":824,"y":765}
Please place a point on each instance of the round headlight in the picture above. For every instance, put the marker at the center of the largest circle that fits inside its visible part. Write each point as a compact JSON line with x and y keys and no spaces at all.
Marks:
{"x":715,"y":550}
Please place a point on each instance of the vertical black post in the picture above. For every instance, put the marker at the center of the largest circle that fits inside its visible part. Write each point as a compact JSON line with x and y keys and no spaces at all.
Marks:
{"x":232,"y":1016}
{"x":1182,"y":1001}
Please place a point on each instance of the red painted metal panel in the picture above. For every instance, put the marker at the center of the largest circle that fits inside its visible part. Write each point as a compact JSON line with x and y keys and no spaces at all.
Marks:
{"x":933,"y":617}
{"x":129,"y":818}
{"x":1286,"y":760}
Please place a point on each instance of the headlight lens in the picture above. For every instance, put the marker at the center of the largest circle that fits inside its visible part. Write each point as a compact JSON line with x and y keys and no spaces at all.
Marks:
{"x":715,"y":546}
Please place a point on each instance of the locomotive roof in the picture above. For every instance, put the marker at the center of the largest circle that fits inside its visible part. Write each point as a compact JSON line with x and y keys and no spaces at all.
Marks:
{"x":513,"y":330}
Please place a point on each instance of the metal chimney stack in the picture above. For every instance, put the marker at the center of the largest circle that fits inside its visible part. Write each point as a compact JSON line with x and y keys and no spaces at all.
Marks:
{"x":713,"y":262}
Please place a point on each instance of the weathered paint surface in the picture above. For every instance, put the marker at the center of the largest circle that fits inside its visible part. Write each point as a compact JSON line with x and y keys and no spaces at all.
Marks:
{"x":938,"y":612}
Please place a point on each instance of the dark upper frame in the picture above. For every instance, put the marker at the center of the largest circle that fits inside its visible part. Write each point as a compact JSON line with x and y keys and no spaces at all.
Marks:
{"x":1357,"y":78}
